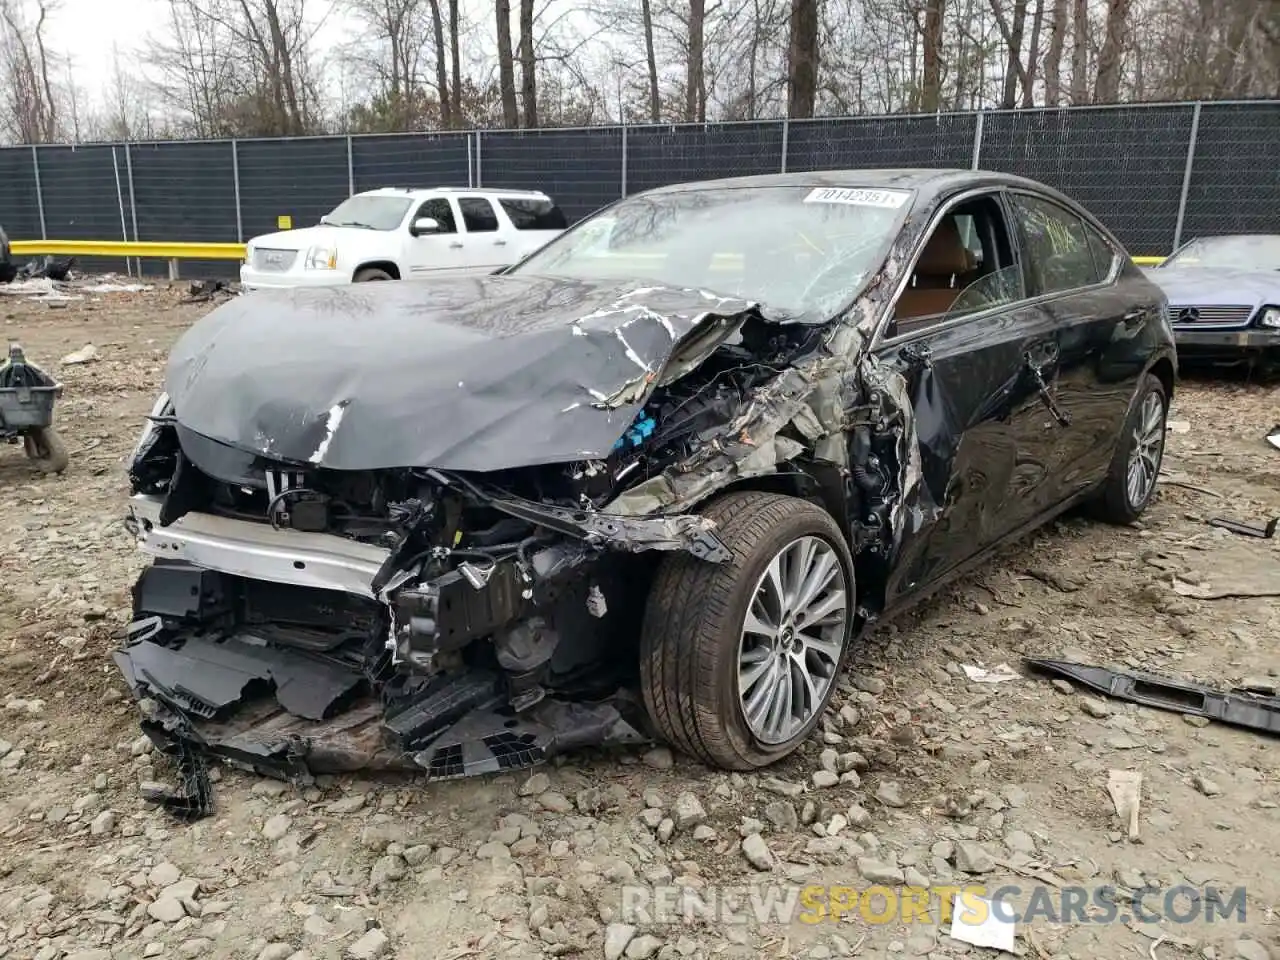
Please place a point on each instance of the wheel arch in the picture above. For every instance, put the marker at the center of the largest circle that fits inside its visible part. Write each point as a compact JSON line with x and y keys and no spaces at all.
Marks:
{"x":390,"y":266}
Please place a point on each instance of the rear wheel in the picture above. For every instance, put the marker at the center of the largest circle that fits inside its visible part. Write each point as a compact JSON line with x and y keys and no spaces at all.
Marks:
{"x":739,"y":659}
{"x":371,"y":273}
{"x":1131,"y":481}
{"x":46,"y":450}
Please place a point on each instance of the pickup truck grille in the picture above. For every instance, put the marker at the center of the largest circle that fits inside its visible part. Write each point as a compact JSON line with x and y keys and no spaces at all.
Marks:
{"x":1210,"y":316}
{"x":273,"y":261}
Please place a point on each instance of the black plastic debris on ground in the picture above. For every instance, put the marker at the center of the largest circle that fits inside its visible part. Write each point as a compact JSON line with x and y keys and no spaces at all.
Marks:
{"x":204,"y":291}
{"x":1246,"y":529}
{"x":52,"y":268}
{"x":1149,"y":690}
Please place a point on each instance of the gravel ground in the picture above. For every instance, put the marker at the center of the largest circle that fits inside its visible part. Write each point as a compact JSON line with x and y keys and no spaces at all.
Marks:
{"x":919,"y":774}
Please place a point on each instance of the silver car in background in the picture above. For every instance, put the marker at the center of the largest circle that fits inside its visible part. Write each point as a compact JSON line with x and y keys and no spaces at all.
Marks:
{"x":1224,"y":297}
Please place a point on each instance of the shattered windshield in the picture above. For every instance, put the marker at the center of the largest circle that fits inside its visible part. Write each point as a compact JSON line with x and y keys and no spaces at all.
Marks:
{"x":371,"y":213}
{"x":1233,"y":253}
{"x":801,"y":252}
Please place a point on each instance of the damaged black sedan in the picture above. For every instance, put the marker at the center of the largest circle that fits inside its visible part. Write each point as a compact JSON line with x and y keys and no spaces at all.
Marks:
{"x":653,"y":481}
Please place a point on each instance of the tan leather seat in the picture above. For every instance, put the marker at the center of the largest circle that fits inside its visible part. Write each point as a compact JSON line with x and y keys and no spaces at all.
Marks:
{"x":940,"y":274}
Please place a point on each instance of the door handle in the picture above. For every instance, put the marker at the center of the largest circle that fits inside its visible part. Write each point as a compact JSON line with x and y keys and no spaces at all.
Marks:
{"x":456,"y":245}
{"x":499,"y":243}
{"x":1134,"y":318}
{"x":1037,"y":371}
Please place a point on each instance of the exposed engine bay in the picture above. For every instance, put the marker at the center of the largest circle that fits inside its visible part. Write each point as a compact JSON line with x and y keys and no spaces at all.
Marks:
{"x":301,"y":619}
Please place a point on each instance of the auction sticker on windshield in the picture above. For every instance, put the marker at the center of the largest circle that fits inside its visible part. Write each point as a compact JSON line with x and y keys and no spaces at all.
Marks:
{"x":893,"y":199}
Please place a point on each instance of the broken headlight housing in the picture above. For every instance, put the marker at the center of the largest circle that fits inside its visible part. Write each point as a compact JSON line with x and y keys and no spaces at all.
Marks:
{"x":321,"y":257}
{"x":1269,"y":317}
{"x":161,"y":409}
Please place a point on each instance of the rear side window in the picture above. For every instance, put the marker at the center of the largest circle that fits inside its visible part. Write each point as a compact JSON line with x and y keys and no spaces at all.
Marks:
{"x":1059,"y":253}
{"x":533,"y":214}
{"x":478,"y":215}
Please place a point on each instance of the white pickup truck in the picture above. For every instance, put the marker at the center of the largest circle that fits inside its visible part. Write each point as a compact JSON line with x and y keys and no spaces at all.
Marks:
{"x":400,"y":234}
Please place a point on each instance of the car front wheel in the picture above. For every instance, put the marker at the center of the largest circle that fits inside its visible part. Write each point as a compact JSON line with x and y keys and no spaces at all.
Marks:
{"x":1131,"y":480}
{"x":739,"y":659}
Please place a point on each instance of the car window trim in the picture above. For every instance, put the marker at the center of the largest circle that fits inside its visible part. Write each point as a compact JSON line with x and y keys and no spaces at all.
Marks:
{"x":1117,"y":259}
{"x":1018,"y":242}
{"x":878,"y":339}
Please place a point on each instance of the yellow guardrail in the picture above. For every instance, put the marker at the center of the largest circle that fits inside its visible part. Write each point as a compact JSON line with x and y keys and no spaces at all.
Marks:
{"x":147,"y":249}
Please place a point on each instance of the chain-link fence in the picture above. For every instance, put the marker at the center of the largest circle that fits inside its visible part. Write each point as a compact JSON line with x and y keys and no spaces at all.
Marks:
{"x":1157,"y":174}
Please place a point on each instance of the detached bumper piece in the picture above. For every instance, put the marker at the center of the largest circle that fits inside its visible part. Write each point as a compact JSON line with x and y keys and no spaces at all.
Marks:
{"x":291,"y":696}
{"x":1236,"y":709}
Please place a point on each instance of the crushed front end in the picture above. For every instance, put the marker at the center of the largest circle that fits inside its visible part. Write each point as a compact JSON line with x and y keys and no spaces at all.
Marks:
{"x":314,"y":608}
{"x":298,"y":620}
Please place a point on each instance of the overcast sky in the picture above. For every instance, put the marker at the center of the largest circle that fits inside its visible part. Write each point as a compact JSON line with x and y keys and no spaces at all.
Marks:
{"x":85,"y":30}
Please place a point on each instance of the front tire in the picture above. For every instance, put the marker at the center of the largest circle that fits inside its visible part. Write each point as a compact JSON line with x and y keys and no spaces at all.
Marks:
{"x":738,"y":660}
{"x":1131,"y":480}
{"x":369,"y":274}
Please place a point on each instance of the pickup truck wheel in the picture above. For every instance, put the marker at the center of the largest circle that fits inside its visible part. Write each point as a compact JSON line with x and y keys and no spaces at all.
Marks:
{"x":371,"y":273}
{"x":46,"y":450}
{"x":738,"y":660}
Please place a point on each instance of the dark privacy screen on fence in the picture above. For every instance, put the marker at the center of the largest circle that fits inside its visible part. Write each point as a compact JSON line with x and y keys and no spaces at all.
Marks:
{"x":1154,"y":174}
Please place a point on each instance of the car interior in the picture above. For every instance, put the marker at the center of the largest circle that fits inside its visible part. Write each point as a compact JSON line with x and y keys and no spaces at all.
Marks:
{"x":966,"y":265}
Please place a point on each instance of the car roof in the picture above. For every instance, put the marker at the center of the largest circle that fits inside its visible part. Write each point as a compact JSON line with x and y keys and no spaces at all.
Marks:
{"x":926,"y":180}
{"x":418,"y":191}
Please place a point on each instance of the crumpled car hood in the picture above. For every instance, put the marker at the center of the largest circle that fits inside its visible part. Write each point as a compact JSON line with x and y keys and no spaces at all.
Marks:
{"x":474,"y":374}
{"x":1203,"y":286}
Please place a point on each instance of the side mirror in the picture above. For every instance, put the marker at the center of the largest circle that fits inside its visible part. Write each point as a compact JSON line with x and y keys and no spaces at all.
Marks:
{"x":425,"y":225}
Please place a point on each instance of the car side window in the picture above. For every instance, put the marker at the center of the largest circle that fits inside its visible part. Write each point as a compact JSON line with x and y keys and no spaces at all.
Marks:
{"x":967,"y":265}
{"x":440,"y":211}
{"x":1059,"y":254}
{"x":478,"y":215}
{"x":1104,"y":254}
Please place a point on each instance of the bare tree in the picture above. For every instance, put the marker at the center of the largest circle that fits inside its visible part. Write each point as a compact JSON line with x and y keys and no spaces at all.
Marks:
{"x":1080,"y":52}
{"x":506,"y":65}
{"x":695,"y":90}
{"x":455,"y":106}
{"x":802,"y":58}
{"x":31,"y":113}
{"x":1053,"y":57}
{"x":240,"y":67}
{"x":528,"y":65}
{"x":651,"y":60}
{"x":1107,"y":88}
{"x":1033,"y":56}
{"x":931,"y":81}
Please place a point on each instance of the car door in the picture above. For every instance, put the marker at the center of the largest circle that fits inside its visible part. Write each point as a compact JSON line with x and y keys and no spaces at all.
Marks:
{"x":1076,"y":274}
{"x":486,"y":245}
{"x":977,"y":409}
{"x":442,"y":252}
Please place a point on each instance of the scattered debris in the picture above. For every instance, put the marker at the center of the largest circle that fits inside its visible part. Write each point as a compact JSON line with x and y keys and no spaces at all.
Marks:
{"x":1247,"y":530}
{"x":51,"y":268}
{"x":107,"y":286}
{"x":974,"y":921}
{"x":1179,"y":426}
{"x":997,"y":674}
{"x":1180,"y":480}
{"x":86,"y":354}
{"x":1150,"y":690}
{"x":203,"y":291}
{"x":1273,"y":437}
{"x":1125,"y":787}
